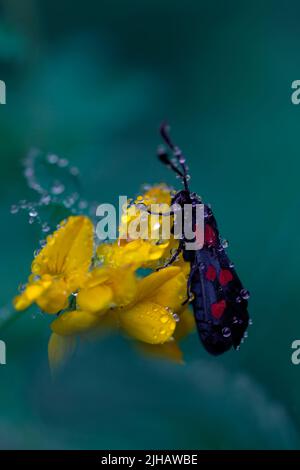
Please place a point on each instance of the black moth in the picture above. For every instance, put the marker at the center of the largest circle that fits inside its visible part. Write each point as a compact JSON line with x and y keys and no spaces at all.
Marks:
{"x":219,"y":299}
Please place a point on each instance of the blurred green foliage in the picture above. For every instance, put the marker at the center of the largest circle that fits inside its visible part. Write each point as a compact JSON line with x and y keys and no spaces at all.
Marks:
{"x":92,"y":81}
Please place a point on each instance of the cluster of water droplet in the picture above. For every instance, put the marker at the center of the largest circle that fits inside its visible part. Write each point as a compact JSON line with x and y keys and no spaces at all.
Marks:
{"x":56,"y":184}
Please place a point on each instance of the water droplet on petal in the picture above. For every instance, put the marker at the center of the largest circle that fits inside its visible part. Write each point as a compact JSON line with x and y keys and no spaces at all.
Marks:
{"x":164,"y":318}
{"x":21,"y":287}
{"x":176,"y":317}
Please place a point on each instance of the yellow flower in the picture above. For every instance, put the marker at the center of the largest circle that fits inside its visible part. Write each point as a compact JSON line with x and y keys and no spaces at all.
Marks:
{"x":164,"y":293}
{"x":155,"y":242}
{"x":62,"y":345}
{"x":142,"y":309}
{"x":60,"y":268}
{"x":134,"y":254}
{"x":171,"y":350}
{"x":158,"y":196}
{"x":107,"y":287}
{"x":145,"y":309}
{"x":103,"y":292}
{"x":60,"y":349}
{"x":160,"y":193}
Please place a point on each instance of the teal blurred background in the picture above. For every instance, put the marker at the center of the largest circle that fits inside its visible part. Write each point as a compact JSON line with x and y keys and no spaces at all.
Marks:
{"x":92,"y":81}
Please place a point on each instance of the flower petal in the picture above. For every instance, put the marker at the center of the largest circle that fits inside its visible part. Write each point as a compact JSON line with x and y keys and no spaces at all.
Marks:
{"x":60,"y":349}
{"x":32,"y":292}
{"x":62,"y":266}
{"x":149,"y":284}
{"x":148,"y":322}
{"x":68,"y":251}
{"x":185,"y":325}
{"x":97,"y":277}
{"x":170,"y":351}
{"x":95,"y":299}
{"x":106,"y":325}
{"x":74,"y":322}
{"x":21,"y":302}
{"x":130,"y":254}
{"x":55,"y":298}
{"x":158,"y":194}
{"x":172,"y":293}
{"x":122,"y":283}
{"x":124,"y":286}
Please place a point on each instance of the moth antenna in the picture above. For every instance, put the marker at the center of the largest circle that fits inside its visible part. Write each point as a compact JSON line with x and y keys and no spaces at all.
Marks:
{"x":164,"y":132}
{"x":165,"y":159}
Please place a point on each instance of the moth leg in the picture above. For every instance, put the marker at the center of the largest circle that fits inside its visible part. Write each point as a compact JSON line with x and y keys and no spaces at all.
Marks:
{"x":164,"y":214}
{"x":173,"y":257}
{"x":189,"y":283}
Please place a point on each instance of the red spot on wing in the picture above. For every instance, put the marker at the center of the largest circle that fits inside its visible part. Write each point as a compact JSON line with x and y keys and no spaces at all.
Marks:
{"x":209,"y":235}
{"x":211,"y":273}
{"x":218,"y":308}
{"x":225,"y":277}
